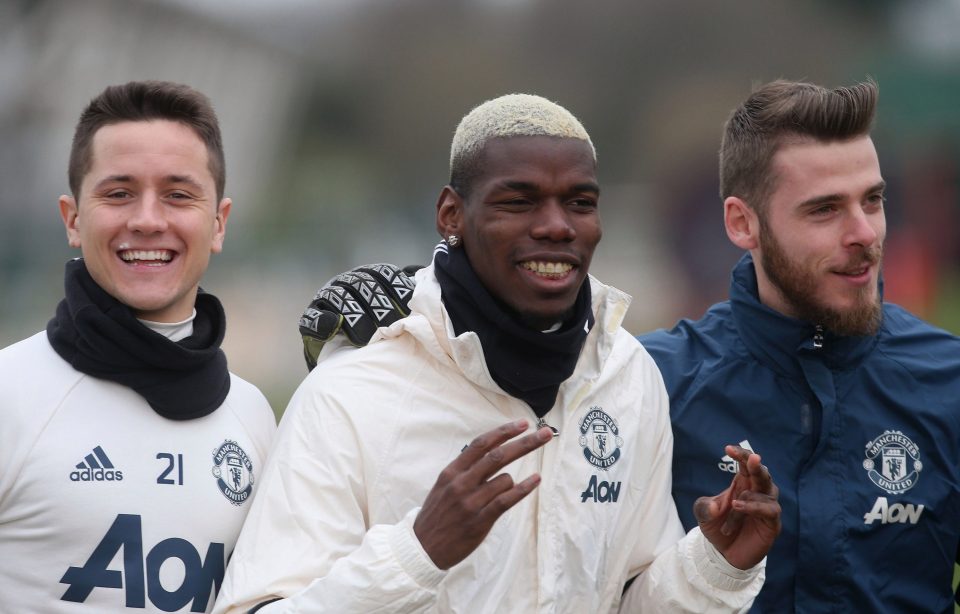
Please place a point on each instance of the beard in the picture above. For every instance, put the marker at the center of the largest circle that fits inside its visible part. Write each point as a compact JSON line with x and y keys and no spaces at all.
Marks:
{"x":799,"y":286}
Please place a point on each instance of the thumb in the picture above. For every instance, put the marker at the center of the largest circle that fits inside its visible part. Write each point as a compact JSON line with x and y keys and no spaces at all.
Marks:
{"x":705,"y":509}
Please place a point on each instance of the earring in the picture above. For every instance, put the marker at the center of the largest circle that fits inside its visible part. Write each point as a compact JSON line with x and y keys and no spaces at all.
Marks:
{"x":453,"y":241}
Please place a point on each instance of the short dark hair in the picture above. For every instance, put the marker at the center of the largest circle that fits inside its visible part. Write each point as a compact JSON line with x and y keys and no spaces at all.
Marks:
{"x":144,"y":101}
{"x":780,"y":111}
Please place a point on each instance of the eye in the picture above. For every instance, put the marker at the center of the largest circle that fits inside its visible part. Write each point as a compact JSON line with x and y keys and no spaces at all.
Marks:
{"x":514,"y":202}
{"x":180,"y":196}
{"x":584,"y":203}
{"x":876,"y":200}
{"x":119,"y":194}
{"x":822,"y":210}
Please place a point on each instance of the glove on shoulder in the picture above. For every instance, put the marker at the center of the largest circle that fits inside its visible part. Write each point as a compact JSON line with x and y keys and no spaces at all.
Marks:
{"x":356,"y":303}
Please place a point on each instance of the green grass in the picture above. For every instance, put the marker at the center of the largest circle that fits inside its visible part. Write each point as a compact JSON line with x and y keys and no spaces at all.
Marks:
{"x":956,"y":578}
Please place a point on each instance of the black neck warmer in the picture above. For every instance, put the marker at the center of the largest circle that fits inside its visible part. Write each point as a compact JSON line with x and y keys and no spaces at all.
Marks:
{"x":100,"y":336}
{"x":527,"y":364}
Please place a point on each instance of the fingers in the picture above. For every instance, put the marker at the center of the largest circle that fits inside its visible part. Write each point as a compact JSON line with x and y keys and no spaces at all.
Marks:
{"x":709,"y":510}
{"x":752,"y":493}
{"x":397,"y":283}
{"x":464,"y":503}
{"x":507,"y":499}
{"x":757,"y":497}
{"x":498,"y":458}
{"x":750,"y":466}
{"x":758,"y":505}
{"x":734,"y":520}
{"x":470,"y":472}
{"x":741,"y":455}
{"x":760,"y":477}
{"x":345,"y":311}
{"x":487,"y":441}
{"x":487,"y":454}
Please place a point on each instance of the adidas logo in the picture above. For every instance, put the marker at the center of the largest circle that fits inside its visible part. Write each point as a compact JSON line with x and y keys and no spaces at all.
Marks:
{"x":728,"y":464}
{"x":96,"y":467}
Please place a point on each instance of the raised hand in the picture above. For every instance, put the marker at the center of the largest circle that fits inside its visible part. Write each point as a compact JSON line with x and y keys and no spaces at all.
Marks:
{"x":742,"y":521}
{"x":462,"y":506}
{"x":355,"y":303}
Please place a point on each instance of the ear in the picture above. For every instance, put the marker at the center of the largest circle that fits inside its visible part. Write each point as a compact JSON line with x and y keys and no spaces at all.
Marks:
{"x":71,"y":219}
{"x":220,"y":225}
{"x":741,"y":222}
{"x":449,"y":213}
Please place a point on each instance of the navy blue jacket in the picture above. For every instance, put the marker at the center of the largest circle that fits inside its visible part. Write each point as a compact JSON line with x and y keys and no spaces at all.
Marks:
{"x":862,"y":436}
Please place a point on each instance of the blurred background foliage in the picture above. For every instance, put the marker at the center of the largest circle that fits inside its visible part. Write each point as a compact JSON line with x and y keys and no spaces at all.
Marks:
{"x":337,"y":117}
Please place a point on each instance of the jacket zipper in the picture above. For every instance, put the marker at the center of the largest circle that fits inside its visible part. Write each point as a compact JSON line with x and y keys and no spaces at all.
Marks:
{"x":543,"y":423}
{"x":818,"y":337}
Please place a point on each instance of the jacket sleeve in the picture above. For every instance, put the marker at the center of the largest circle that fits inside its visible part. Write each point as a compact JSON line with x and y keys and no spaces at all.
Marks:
{"x":307,"y":539}
{"x":679,"y":573}
{"x":692,"y":576}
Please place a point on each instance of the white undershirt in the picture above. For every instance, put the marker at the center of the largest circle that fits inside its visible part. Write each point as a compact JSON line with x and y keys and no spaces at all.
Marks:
{"x":174,"y":331}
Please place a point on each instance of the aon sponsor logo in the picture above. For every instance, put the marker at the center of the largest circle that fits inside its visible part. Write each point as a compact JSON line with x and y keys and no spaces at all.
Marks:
{"x":201,"y":579}
{"x":888,"y":514}
{"x":600,"y":491}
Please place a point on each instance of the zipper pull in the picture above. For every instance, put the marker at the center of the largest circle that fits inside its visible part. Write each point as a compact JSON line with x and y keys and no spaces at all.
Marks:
{"x":818,"y":337}
{"x":543,"y":423}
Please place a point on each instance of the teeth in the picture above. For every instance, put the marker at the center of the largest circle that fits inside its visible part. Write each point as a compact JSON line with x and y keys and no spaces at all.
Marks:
{"x":146,"y":255}
{"x":555,"y":269}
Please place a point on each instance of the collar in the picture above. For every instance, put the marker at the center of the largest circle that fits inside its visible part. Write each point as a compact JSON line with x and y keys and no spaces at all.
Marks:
{"x":528,"y":364}
{"x":779,"y":340}
{"x":99,"y":336}
{"x":429,"y":323}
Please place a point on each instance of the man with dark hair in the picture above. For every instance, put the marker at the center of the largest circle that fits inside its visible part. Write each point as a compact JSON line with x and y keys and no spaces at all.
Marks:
{"x":853,"y":402}
{"x":121,"y":430}
{"x":145,"y":101}
{"x":507,"y":327}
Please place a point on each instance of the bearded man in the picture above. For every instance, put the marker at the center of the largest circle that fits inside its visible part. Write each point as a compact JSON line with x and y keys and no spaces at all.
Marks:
{"x":853,"y":403}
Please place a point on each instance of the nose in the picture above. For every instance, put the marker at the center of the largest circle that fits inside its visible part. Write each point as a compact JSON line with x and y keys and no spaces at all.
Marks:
{"x":863,"y":228}
{"x":552,"y":222}
{"x":147,"y":215}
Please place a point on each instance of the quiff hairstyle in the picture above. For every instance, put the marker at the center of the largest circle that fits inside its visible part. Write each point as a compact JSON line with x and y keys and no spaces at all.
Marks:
{"x":145,"y":101}
{"x":504,"y":117}
{"x":784,"y":112}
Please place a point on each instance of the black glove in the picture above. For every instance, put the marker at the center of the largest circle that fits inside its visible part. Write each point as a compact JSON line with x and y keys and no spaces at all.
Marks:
{"x":356,"y":303}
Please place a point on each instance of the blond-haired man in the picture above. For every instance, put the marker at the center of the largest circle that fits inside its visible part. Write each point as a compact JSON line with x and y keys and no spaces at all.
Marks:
{"x":507,"y":328}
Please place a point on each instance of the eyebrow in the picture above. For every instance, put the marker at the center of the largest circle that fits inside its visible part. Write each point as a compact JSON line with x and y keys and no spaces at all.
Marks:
{"x":112,"y":179}
{"x":526,"y":186}
{"x":184,"y":179}
{"x":830,"y":198}
{"x":129,"y":179}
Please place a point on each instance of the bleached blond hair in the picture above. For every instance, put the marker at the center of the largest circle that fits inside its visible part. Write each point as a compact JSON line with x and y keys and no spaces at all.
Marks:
{"x":508,"y":116}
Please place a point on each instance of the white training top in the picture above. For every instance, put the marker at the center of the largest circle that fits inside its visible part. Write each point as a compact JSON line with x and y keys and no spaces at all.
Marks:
{"x":107,"y":506}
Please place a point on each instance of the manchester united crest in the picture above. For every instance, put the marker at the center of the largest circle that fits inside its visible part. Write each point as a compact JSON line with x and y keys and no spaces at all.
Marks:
{"x":600,"y":438}
{"x":893,"y":462}
{"x":234,"y":472}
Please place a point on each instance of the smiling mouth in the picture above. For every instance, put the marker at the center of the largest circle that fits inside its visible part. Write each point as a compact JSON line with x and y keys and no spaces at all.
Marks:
{"x":149,"y":257}
{"x":854,"y":272}
{"x":550,"y":270}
